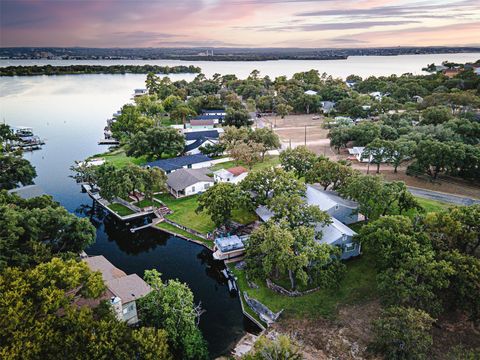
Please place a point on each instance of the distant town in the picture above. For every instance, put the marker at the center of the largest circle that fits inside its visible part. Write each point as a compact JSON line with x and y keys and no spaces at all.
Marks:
{"x":217,"y":54}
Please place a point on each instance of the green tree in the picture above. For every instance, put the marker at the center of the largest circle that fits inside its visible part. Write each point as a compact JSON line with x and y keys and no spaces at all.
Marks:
{"x":219,"y":201}
{"x":329,"y":174}
{"x":283,"y":109}
{"x":170,"y":306}
{"x":35,"y":230}
{"x":400,"y":150}
{"x":128,"y":180}
{"x":181,"y":113}
{"x":377,"y":152}
{"x":432,"y":157}
{"x":267,"y":138}
{"x":247,"y":153}
{"x":265,"y":183}
{"x":130,"y":122}
{"x":436,"y":115}
{"x":15,"y":170}
{"x":156,"y":142}
{"x":403,"y":334}
{"x":299,"y":160}
{"x":339,"y":137}
{"x":280,"y":348}
{"x":237,"y":118}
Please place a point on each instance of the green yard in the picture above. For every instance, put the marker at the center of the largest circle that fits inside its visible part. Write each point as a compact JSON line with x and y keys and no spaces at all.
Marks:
{"x":119,"y":158}
{"x":184,"y":213}
{"x":432,"y":205}
{"x":120,"y":209}
{"x":145,"y":203}
{"x":170,"y":228}
{"x":270,"y":160}
{"x":358,"y":285}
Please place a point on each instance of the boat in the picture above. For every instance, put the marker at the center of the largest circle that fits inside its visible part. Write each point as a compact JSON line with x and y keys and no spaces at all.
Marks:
{"x":26,"y":139}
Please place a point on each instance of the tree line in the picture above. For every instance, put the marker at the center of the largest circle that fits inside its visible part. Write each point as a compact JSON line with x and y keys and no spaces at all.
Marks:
{"x":32,"y":70}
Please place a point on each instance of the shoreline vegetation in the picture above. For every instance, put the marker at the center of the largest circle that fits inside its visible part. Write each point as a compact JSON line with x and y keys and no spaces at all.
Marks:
{"x":96,"y":69}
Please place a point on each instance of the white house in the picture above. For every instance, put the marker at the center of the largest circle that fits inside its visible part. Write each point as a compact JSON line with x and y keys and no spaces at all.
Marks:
{"x":139,"y":92}
{"x":327,"y":106}
{"x":233,"y":175}
{"x":186,"y":182}
{"x":122,"y":290}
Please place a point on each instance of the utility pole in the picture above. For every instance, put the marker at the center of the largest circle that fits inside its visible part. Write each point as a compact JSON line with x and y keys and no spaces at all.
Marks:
{"x":305,"y":135}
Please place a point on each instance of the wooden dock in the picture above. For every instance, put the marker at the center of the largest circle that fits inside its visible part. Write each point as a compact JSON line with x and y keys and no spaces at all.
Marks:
{"x":108,"y":142}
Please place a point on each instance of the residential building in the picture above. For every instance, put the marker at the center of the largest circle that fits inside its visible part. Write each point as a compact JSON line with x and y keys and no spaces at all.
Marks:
{"x":342,"y":209}
{"x":310,"y":92}
{"x":197,"y":161}
{"x":139,"y":92}
{"x":196,"y":139}
{"x":214,"y":112}
{"x":124,"y":289}
{"x":200,"y":124}
{"x":327,"y":106}
{"x":186,"y":182}
{"x":232,"y":175}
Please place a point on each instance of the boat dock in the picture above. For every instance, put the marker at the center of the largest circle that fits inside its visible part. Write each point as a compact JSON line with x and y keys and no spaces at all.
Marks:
{"x":108,"y":142}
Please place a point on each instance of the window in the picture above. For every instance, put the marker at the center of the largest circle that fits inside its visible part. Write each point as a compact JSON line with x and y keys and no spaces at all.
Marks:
{"x":128,"y":309}
{"x":193,"y":188}
{"x":349,"y":247}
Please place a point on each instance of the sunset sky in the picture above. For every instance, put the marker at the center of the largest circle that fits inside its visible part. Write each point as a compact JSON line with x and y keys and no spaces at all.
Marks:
{"x":238,"y":23}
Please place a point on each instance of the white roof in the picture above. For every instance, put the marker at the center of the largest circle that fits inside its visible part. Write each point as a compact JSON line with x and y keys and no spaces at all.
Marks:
{"x":310,"y":92}
{"x":223,"y":174}
{"x":356,"y":150}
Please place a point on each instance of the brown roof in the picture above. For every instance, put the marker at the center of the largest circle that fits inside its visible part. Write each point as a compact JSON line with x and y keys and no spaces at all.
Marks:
{"x":129,"y":288}
{"x":99,"y":263}
{"x":199,"y":122}
{"x":237,"y":170}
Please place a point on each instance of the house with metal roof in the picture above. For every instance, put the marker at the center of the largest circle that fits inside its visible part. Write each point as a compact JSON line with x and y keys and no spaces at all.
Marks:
{"x":215,"y":112}
{"x":186,"y":182}
{"x":123,"y":289}
{"x":342,"y":209}
{"x":335,"y":233}
{"x":196,"y":161}
{"x":200,"y":124}
{"x":196,"y":139}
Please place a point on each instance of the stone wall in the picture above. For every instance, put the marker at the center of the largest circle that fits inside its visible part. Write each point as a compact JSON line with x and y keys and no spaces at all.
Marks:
{"x":277,"y":288}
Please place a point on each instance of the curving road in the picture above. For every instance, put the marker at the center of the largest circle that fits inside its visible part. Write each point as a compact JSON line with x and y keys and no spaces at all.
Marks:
{"x":440,"y":196}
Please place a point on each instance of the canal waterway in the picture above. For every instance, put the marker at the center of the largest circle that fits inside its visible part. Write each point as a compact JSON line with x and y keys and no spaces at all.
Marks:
{"x":69,"y":112}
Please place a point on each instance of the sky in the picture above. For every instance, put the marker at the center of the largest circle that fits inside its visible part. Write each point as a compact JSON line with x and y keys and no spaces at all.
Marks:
{"x":239,"y":23}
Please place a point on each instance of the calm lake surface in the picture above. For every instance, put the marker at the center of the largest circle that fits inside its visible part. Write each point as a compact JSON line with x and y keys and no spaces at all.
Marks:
{"x":70,"y":111}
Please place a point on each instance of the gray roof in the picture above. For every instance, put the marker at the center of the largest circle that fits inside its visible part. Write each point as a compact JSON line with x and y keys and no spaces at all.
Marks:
{"x":108,"y":270}
{"x":326,"y":200}
{"x":334,"y":231}
{"x":230,"y":243}
{"x":183,"y":178}
{"x":128,"y":288}
{"x":28,"y":192}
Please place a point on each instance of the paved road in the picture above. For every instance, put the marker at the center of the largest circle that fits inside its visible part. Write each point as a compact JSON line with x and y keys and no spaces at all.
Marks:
{"x":439,"y":196}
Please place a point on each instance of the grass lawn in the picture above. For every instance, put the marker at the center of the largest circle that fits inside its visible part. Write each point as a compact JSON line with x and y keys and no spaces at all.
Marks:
{"x":120,"y":209}
{"x":119,"y":158}
{"x":174,"y":229}
{"x":145,"y":203}
{"x":358,"y":285}
{"x":270,"y":160}
{"x":184,"y":213}
{"x":432,"y":205}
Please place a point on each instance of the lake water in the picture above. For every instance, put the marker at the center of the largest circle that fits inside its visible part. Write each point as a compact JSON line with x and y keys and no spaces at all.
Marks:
{"x":359,"y":65}
{"x":70,"y":111}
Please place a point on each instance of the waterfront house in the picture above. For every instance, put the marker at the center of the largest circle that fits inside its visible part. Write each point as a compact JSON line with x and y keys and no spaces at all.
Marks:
{"x":123,"y":289}
{"x":196,"y":139}
{"x":341,"y":209}
{"x":232,"y":175}
{"x":139,"y":92}
{"x":229,"y":247}
{"x":335,"y":233}
{"x":186,"y":182}
{"x":196,"y":161}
